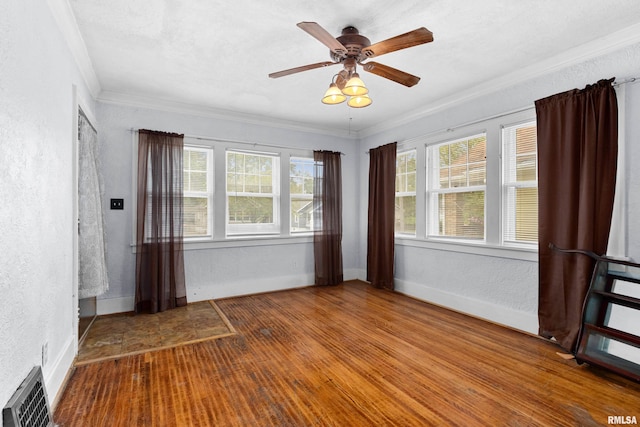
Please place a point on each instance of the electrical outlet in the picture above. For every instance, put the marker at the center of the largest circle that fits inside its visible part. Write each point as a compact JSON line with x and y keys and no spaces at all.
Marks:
{"x":117,"y":204}
{"x":45,"y":353}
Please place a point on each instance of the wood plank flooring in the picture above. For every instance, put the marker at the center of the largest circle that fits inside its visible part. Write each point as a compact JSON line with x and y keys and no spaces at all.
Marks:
{"x":349,"y":355}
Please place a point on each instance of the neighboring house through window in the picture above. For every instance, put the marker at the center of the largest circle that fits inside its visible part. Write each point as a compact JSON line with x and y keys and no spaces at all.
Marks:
{"x":253,"y":193}
{"x":301,"y":194}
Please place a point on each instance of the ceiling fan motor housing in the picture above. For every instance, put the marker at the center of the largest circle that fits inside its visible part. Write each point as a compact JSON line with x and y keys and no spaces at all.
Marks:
{"x":353,"y":41}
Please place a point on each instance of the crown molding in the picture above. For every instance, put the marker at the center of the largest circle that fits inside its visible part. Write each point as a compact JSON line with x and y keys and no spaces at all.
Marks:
{"x":580,"y":54}
{"x":66,"y":21}
{"x":138,"y":101}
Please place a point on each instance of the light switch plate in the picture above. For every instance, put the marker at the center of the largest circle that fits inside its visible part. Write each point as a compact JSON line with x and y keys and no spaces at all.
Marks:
{"x":117,"y":204}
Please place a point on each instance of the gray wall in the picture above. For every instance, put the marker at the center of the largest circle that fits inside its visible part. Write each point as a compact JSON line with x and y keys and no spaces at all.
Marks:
{"x":40,"y":87}
{"x":230,"y":267}
{"x":501,"y":287}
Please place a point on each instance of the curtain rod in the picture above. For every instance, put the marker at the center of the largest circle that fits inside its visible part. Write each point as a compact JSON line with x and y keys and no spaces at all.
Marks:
{"x":235,"y":141}
{"x":453,"y":128}
{"x":497,"y":116}
{"x":625,"y":81}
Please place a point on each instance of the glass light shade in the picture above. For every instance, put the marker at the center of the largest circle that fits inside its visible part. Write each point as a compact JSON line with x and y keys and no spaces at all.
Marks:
{"x":355,"y":86}
{"x":359,"y":101}
{"x":333,"y":95}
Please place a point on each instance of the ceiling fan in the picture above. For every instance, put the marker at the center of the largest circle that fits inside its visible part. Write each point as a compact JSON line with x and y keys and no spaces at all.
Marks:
{"x":351,"y":49}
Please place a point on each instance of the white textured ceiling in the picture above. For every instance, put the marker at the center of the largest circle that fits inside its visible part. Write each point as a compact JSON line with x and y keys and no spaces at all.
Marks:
{"x":216,"y":55}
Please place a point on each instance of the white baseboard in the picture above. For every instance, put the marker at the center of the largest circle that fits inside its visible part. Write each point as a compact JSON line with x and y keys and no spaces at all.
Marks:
{"x":351,"y":274}
{"x":222,"y":290}
{"x":524,"y":321}
{"x":55,"y":373}
{"x":359,"y":274}
{"x":115,"y":305}
{"x":521,"y":320}
{"x":249,"y":287}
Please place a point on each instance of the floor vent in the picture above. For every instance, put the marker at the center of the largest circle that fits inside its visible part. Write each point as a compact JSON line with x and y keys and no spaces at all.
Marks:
{"x":29,"y":406}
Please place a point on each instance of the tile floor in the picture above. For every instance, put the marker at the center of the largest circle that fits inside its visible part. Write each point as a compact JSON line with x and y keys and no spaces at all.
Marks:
{"x":118,"y":335}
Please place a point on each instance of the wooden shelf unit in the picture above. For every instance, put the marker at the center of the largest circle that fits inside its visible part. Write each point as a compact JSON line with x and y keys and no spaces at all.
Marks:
{"x":601,"y":341}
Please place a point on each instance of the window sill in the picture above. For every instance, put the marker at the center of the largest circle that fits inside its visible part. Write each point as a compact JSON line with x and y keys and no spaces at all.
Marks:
{"x":245,"y":241}
{"x":511,"y":252}
{"x":241,"y":241}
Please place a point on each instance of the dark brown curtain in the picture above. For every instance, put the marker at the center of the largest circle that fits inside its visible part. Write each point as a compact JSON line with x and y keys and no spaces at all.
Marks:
{"x":380,"y":233}
{"x":327,"y":217}
{"x":160,"y":283}
{"x":577,"y":149}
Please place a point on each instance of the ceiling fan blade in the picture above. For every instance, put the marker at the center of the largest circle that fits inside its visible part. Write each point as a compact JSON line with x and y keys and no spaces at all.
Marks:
{"x":403,"y":41}
{"x":300,"y":69}
{"x":391,"y":73}
{"x":322,"y":35}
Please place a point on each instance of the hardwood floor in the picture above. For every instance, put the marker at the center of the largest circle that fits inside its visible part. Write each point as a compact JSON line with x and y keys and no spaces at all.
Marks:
{"x":349,"y":355}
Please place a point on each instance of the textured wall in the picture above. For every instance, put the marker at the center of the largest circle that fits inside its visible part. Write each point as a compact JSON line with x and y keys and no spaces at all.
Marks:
{"x":632,"y":130}
{"x":36,"y":189}
{"x":503,"y":289}
{"x":211,"y":273}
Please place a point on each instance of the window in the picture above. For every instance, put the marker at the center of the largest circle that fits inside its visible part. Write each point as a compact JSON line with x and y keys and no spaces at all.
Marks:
{"x":198,"y":192}
{"x":520,"y":185}
{"x":301,"y":194}
{"x":405,"y":213}
{"x":471,"y":188}
{"x":235,"y":191}
{"x":456,"y":188}
{"x":253,"y":191}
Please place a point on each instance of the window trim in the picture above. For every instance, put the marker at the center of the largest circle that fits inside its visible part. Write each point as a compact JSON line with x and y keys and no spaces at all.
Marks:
{"x":249,"y":230}
{"x":408,"y":193}
{"x":299,"y":196}
{"x":210,"y":193}
{"x":514,"y":184}
{"x":432,"y":213}
{"x":492,"y":245}
{"x":219,"y":239}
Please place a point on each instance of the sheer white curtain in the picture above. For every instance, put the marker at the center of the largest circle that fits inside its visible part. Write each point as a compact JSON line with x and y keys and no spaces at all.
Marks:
{"x":92,"y":280}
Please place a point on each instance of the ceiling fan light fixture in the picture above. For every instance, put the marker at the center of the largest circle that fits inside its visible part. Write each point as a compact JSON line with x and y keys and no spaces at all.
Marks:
{"x":359,"y":101}
{"x":355,"y":86}
{"x":333,"y":95}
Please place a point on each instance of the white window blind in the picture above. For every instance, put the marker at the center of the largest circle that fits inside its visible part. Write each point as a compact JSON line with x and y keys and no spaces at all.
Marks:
{"x":520,"y":184}
{"x":456,"y":187}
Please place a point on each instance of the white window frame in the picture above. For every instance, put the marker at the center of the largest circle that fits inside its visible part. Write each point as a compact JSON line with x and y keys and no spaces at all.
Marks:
{"x":300,"y":196}
{"x":493,"y":244}
{"x":432,"y":173}
{"x":408,"y":193}
{"x":243,"y":230}
{"x":509,"y":182}
{"x":219,"y":239}
{"x":209,"y":194}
